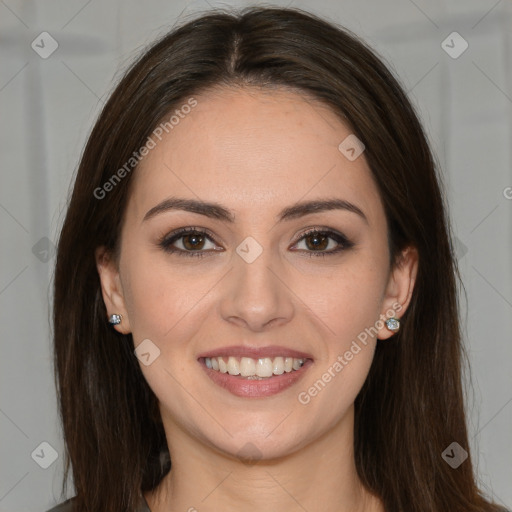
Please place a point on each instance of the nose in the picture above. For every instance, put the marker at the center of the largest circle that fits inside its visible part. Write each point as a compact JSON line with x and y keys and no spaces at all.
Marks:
{"x":255,"y":295}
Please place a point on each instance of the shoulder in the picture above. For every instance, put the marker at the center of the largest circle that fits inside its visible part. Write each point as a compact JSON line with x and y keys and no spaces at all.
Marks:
{"x":66,"y":506}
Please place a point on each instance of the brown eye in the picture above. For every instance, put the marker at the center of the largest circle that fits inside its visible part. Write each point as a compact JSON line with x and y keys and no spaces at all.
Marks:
{"x":193,"y":242}
{"x":316,"y":241}
{"x":322,"y":243}
{"x":188,"y":242}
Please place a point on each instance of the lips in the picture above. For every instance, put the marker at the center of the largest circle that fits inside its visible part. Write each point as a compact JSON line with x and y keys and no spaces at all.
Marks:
{"x":253,"y":386}
{"x":255,"y":353}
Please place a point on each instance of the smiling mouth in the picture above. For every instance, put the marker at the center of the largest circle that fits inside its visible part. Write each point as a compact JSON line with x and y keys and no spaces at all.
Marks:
{"x":253,"y":369}
{"x":254,"y":378}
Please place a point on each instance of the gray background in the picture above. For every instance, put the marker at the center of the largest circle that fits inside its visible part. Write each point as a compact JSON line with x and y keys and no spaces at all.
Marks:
{"x":49,"y":105}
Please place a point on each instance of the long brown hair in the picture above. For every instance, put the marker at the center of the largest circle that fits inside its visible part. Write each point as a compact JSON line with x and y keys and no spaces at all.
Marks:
{"x":411,"y":406}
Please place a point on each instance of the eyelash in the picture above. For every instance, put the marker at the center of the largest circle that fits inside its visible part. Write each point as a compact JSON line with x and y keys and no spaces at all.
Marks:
{"x":167,"y":240}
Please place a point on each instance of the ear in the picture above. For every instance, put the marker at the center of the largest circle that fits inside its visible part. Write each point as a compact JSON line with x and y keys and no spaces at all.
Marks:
{"x":399,"y":289}
{"x":111,"y":288}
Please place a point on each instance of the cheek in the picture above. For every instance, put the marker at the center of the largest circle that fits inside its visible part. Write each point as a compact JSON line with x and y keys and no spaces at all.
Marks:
{"x":156,"y":296}
{"x":349,"y":310}
{"x":350,"y":299}
{"x":349,"y":305}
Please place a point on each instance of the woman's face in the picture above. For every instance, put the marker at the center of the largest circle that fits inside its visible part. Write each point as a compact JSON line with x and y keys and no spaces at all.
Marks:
{"x":249,"y":282}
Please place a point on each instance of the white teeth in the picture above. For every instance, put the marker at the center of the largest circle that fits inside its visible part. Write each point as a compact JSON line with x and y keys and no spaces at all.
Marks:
{"x":278,"y":367}
{"x":233,"y":366}
{"x":297,"y":363}
{"x":247,"y":367}
{"x":264,"y":367}
{"x":254,"y":368}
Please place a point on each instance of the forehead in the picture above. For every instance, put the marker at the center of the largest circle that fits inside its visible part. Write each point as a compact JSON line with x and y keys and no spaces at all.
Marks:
{"x":250,"y":149}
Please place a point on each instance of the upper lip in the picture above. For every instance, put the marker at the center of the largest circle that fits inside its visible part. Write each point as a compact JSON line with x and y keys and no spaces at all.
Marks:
{"x":256,"y":352}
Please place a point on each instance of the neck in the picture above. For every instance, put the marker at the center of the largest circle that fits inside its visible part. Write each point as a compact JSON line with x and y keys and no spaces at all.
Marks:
{"x":319,"y":476}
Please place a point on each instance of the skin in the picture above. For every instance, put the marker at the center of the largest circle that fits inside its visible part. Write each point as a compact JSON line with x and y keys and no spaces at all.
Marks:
{"x":256,"y":152}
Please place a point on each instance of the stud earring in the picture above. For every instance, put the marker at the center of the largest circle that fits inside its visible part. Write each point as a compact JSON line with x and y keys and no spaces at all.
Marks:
{"x":393,"y":324}
{"x":115,"y":319}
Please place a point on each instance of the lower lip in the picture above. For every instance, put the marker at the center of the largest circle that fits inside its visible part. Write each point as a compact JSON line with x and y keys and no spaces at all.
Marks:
{"x":249,"y":388}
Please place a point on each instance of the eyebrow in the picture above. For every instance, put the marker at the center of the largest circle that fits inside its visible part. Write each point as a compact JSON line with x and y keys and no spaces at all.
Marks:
{"x":217,"y":211}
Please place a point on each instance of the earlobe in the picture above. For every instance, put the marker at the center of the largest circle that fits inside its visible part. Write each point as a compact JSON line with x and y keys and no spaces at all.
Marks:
{"x":399,"y":291}
{"x":112,"y":291}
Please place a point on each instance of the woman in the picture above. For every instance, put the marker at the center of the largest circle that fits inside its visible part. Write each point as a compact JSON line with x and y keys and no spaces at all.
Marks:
{"x":255,"y":290}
